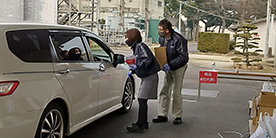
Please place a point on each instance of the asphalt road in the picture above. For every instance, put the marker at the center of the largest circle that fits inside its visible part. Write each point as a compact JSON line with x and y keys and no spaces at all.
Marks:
{"x":226,"y":111}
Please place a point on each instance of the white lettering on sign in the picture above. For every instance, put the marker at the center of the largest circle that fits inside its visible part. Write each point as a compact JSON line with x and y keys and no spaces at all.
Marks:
{"x":207,"y":74}
{"x":208,"y":77}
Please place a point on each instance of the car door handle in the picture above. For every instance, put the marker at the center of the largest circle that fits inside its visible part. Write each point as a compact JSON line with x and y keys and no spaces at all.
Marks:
{"x":101,"y":67}
{"x":63,"y":71}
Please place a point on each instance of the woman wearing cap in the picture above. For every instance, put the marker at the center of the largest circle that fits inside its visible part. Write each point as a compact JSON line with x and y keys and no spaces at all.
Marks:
{"x":146,"y":68}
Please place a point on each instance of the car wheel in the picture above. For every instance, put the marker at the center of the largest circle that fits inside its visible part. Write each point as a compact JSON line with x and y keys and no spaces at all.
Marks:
{"x":51,"y":124}
{"x":127,"y":96}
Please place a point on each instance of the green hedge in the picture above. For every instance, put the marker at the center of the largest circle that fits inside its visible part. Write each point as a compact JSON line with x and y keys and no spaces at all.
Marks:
{"x":213,"y":42}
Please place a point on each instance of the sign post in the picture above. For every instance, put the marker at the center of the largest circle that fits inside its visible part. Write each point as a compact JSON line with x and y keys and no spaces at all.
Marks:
{"x":207,"y":76}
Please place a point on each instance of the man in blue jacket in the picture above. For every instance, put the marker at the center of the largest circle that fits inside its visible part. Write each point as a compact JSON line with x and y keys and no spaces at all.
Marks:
{"x":175,"y":68}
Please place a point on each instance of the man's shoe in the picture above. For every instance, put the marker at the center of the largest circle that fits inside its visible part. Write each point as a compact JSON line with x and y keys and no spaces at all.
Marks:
{"x":134,"y":128}
{"x":177,"y":121}
{"x":159,"y":119}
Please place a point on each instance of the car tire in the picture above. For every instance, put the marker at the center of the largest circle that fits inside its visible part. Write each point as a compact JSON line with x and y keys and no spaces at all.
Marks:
{"x":128,"y":95}
{"x":51,"y":123}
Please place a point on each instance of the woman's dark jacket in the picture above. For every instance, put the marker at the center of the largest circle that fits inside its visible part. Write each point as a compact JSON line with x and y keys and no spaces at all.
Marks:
{"x":145,"y":60}
{"x":176,"y":49}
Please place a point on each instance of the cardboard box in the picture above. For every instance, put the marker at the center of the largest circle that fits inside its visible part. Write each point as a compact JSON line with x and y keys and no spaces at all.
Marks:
{"x":265,"y":102}
{"x":263,"y":110}
{"x":160,"y":55}
{"x":267,"y":99}
{"x":252,"y":127}
{"x":254,"y":112}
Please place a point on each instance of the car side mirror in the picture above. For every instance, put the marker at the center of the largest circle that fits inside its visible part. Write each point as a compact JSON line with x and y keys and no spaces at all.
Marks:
{"x":118,"y":59}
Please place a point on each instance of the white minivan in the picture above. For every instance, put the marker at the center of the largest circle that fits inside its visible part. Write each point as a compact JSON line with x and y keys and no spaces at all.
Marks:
{"x":56,"y":79}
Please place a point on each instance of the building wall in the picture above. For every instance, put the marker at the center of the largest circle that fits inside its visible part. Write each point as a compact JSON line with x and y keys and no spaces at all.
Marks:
{"x":12,"y":10}
{"x":156,"y":9}
{"x":44,"y":11}
{"x":262,"y":34}
{"x":29,"y":10}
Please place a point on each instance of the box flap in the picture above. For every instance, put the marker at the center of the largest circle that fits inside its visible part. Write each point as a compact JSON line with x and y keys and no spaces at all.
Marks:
{"x":267,"y":99}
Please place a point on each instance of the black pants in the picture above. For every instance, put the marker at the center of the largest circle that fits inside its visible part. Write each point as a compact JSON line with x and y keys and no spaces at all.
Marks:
{"x":143,"y":112}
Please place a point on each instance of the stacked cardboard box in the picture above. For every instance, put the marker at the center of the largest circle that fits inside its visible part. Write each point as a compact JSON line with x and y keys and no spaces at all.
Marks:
{"x":265,"y":102}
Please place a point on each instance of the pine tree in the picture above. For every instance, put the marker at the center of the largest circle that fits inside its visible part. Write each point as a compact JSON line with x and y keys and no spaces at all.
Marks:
{"x":248,"y":42}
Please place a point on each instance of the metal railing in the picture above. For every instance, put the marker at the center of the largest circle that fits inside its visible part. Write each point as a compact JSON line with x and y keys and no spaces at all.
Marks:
{"x":233,"y":75}
{"x":242,"y":76}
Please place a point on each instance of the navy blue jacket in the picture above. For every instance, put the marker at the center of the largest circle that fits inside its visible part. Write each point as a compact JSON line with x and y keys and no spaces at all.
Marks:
{"x":176,"y":49}
{"x":145,"y":60}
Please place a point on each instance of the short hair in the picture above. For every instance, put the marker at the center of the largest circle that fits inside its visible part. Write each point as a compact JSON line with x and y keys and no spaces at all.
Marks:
{"x":166,"y":24}
{"x":134,"y":35}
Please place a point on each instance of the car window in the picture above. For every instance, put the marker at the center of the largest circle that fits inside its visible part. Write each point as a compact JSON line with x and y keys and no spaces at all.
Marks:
{"x":69,"y":48}
{"x":98,"y":51}
{"x":29,"y":45}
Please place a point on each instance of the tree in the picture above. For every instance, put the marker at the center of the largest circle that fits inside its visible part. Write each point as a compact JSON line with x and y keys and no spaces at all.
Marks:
{"x":233,"y":9}
{"x":193,"y":16}
{"x":248,"y":42}
{"x":171,"y":8}
{"x":251,"y":9}
{"x":217,"y":13}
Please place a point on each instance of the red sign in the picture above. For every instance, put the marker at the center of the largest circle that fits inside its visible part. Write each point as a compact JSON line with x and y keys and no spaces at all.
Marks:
{"x":209,"y":76}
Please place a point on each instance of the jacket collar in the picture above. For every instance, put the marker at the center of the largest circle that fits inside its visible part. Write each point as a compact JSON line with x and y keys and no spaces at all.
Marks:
{"x":133,"y":46}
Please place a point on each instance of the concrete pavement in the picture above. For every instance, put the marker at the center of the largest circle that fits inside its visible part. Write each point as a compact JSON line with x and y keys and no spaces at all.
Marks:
{"x":223,"y":61}
{"x":222,"y":108}
{"x":224,"y":112}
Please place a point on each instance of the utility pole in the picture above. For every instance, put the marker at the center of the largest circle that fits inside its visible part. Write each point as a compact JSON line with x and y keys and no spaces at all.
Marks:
{"x":179,"y":21}
{"x":79,"y":15}
{"x":70,"y":12}
{"x":92,"y":14}
{"x":267,"y":28}
{"x":222,"y":18}
{"x":97,"y":17}
{"x":122,"y":7}
{"x":273,"y":28}
{"x":275,"y":50}
{"x":147,"y":18}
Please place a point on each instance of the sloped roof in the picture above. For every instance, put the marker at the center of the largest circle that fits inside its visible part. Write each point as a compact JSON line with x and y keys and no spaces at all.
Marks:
{"x":260,"y":20}
{"x":174,"y":21}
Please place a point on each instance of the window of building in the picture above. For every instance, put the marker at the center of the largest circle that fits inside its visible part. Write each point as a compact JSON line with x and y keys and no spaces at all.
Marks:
{"x":160,"y":3}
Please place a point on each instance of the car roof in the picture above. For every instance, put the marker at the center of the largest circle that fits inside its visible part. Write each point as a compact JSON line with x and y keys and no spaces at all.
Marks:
{"x":32,"y":25}
{"x":10,"y":26}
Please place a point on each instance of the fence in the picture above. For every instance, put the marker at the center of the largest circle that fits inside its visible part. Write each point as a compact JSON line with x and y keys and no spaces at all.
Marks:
{"x":242,"y":76}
